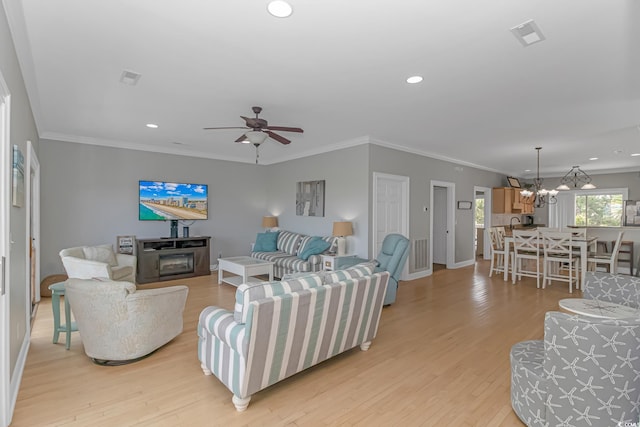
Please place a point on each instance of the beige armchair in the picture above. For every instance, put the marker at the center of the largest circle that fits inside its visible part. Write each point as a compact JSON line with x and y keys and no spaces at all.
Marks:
{"x":88,"y":262}
{"x":119,"y":324}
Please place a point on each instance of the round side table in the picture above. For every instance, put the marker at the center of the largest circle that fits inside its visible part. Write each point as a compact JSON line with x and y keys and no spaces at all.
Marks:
{"x":57,"y":290}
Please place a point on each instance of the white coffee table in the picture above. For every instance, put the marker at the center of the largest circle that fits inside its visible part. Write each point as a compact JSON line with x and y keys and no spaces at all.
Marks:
{"x":244,"y":267}
{"x":597,"y":308}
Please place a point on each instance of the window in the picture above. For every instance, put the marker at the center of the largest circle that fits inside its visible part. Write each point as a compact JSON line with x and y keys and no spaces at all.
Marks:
{"x":589,"y":208}
{"x":598,"y":210}
{"x":479,"y":214}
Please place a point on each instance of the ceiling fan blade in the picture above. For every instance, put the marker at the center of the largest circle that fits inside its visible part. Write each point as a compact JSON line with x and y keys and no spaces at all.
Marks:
{"x":242,"y":138}
{"x":285,"y":129}
{"x":228,"y":127}
{"x":278,"y":138}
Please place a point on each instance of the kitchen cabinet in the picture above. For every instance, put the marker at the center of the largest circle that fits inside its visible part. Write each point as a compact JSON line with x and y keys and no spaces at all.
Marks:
{"x":509,"y":200}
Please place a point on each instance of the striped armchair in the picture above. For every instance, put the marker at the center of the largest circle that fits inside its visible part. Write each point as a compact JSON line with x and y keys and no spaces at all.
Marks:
{"x":281,"y":328}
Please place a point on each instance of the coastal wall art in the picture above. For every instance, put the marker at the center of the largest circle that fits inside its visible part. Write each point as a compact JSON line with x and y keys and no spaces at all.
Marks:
{"x":310,"y":198}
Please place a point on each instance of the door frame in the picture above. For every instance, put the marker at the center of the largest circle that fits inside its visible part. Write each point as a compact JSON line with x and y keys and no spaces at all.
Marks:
{"x":451,"y":223}
{"x":32,"y":205}
{"x":7,"y":401}
{"x":404,"y":216}
{"x":487,"y":218}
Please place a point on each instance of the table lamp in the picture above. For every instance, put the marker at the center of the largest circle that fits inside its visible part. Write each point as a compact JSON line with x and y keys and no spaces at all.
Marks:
{"x":340,"y":230}
{"x":269,"y":222}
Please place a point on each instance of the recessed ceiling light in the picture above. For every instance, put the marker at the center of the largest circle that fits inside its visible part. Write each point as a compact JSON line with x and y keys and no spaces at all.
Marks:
{"x":152,"y":126}
{"x":527,"y":170}
{"x":414,"y":79}
{"x":635,"y":155}
{"x":617,"y":151}
{"x":280,"y":9}
{"x":593,"y":158}
{"x":178,"y":143}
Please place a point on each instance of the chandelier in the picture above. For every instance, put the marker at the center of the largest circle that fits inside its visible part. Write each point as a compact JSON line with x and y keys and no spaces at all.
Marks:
{"x":543,"y":196}
{"x":575,"y":177}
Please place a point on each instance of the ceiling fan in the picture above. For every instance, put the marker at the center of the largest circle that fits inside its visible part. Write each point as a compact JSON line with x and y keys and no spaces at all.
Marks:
{"x":262,"y":126}
{"x":260,"y":131}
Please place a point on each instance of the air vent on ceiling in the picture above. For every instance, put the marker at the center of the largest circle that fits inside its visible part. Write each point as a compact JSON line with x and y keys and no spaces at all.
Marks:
{"x":130,"y":77}
{"x":528,"y":33}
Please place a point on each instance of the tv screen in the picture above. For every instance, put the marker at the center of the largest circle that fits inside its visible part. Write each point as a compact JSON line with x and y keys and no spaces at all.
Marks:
{"x":161,"y":201}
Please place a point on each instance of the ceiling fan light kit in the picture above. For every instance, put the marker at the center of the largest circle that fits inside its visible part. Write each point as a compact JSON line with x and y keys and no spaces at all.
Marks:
{"x":255,"y":137}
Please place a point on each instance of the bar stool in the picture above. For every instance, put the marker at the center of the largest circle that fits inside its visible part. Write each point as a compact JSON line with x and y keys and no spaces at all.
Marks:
{"x":57,"y":290}
{"x":626,"y":247}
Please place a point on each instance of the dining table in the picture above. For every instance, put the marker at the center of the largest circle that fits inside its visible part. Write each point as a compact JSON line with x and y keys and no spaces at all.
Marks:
{"x":582,"y":243}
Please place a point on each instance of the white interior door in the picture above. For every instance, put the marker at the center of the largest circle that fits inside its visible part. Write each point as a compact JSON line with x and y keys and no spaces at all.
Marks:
{"x":390,"y":209}
{"x":5,"y":180}
{"x":439,"y":233}
{"x":443,"y":203}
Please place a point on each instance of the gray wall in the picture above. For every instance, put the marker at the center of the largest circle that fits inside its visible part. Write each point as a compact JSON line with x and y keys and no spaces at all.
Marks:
{"x":422,"y":170}
{"x":22,"y":128}
{"x":346,"y":194}
{"x":90,"y":196}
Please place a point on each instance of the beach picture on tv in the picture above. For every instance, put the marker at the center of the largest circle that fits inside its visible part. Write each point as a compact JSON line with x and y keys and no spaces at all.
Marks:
{"x":161,"y":201}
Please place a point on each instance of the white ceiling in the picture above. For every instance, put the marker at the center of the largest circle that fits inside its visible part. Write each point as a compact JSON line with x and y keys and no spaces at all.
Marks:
{"x":337,"y":69}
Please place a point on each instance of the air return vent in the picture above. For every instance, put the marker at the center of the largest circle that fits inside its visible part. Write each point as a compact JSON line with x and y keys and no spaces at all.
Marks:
{"x":130,"y":77}
{"x":528,"y":33}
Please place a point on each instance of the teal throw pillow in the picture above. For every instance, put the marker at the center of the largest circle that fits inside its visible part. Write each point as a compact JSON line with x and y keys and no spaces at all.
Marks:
{"x":315,"y":246}
{"x":266,"y":242}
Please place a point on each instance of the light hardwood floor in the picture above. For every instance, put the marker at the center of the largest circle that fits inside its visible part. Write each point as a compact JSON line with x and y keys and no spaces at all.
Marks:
{"x":441,"y":358}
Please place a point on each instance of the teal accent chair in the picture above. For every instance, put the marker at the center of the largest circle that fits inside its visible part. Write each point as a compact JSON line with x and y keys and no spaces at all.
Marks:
{"x":392,"y":258}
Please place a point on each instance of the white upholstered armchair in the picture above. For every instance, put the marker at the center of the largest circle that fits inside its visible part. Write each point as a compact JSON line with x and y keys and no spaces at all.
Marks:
{"x":120,"y":324}
{"x":87,"y":262}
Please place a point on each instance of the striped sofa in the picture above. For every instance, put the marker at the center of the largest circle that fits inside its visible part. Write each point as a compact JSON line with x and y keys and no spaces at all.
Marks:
{"x":281,"y":328}
{"x":285,"y":259}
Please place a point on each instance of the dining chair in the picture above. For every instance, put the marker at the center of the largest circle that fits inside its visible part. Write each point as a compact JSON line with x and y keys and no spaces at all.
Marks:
{"x":609,"y":260}
{"x":526,"y":247}
{"x":560,"y":262}
{"x":498,"y":253}
{"x":578,"y":232}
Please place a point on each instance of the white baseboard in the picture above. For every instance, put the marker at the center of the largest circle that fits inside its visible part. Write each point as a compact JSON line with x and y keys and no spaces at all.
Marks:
{"x":464,"y":263}
{"x":419,"y":274}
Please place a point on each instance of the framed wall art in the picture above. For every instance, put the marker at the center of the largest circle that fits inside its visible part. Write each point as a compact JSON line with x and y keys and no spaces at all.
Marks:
{"x":514,"y":182}
{"x":310,"y":198}
{"x":17,"y":178}
{"x":631,"y":213}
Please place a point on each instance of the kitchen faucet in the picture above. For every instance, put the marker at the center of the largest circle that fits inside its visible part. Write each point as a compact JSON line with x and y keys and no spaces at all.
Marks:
{"x":511,"y":222}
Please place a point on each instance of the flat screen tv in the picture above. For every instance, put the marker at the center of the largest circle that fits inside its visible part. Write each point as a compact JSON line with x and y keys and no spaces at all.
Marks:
{"x":163,"y":201}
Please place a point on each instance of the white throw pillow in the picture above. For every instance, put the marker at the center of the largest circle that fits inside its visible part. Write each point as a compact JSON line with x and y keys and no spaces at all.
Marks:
{"x":101,"y":254}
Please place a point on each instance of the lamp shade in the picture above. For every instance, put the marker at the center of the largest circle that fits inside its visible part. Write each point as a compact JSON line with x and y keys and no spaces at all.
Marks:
{"x":269,"y":221}
{"x":342,"y":228}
